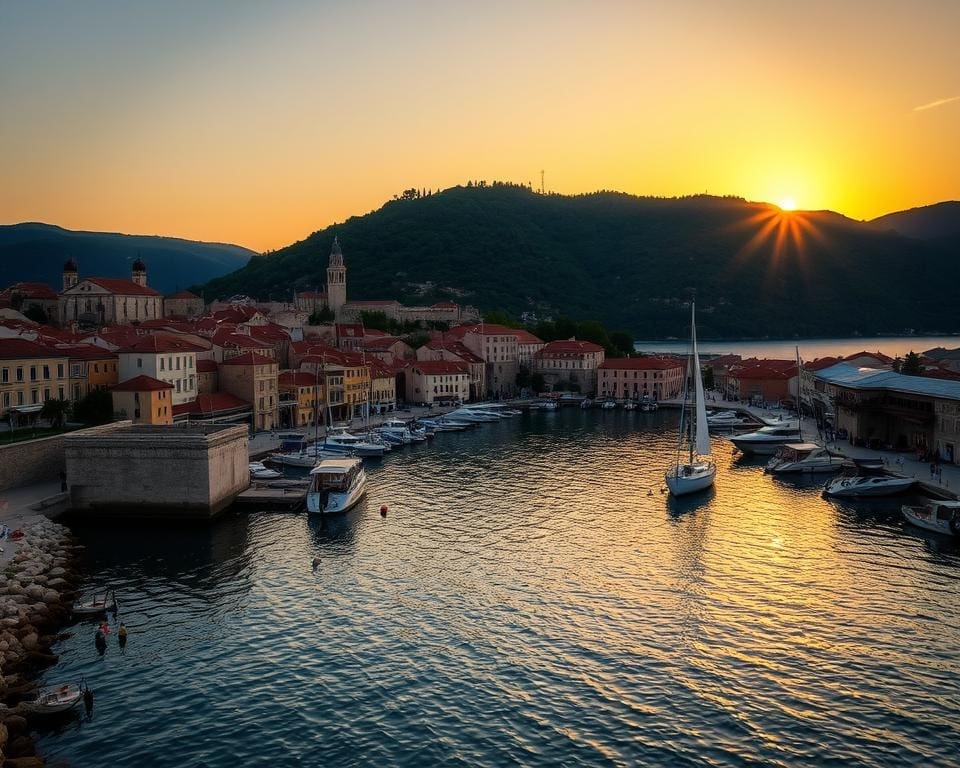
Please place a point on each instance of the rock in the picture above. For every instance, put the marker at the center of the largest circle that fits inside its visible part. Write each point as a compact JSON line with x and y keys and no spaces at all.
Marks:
{"x":21,"y":746}
{"x":29,"y":642}
{"x":15,"y":724}
{"x":4,"y":736}
{"x":50,"y":596}
{"x":23,"y":762}
{"x":58,"y":571}
{"x":35,"y":591}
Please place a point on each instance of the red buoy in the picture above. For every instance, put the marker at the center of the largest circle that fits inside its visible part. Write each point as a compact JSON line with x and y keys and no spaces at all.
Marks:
{"x":383,"y":511}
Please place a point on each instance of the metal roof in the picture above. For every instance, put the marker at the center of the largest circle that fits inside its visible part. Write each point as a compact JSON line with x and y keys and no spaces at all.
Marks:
{"x":850,"y":376}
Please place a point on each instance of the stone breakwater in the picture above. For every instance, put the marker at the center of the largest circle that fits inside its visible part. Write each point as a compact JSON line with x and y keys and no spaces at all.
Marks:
{"x":36,"y":588}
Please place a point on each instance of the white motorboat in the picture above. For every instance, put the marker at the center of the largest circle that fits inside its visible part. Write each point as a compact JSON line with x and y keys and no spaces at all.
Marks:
{"x":443,"y":424}
{"x":725,"y":419}
{"x":544,"y":405}
{"x":698,"y":472}
{"x":396,"y":428}
{"x":586,"y":404}
{"x":336,"y":485}
{"x":939,"y":516}
{"x":648,"y":406}
{"x":796,"y":458}
{"x":852,"y":486}
{"x":54,"y":699}
{"x":308,"y":457}
{"x":629,"y":406}
{"x":608,"y":405}
{"x":342,"y":441}
{"x":98,"y":604}
{"x":767,"y":439}
{"x":258,"y":471}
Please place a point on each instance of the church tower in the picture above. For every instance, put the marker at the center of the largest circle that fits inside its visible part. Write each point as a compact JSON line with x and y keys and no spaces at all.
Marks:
{"x":139,"y":272}
{"x":336,"y":280}
{"x":69,"y":274}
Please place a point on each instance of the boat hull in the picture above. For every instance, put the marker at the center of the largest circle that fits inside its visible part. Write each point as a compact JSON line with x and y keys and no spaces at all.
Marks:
{"x":701,"y":476}
{"x":760,"y":448}
{"x":337,"y":503}
{"x":854,"y":487}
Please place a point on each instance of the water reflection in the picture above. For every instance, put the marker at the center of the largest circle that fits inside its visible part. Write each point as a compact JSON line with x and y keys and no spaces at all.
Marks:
{"x":528,"y":600}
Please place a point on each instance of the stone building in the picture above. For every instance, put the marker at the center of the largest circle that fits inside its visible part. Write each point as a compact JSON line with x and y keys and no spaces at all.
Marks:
{"x":183,"y":304}
{"x":95,"y":301}
{"x":430,"y":382}
{"x":569,"y":363}
{"x":633,"y":378}
{"x":144,"y":400}
{"x":335,"y":296}
{"x":31,"y":374}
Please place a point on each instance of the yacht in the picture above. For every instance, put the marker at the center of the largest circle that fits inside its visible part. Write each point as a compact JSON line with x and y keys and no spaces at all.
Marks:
{"x":397,"y":429}
{"x":795,"y":458}
{"x":472,"y":415}
{"x":343,"y":442}
{"x":939,"y":516}
{"x":444,"y":424}
{"x":767,"y":439}
{"x":866,"y":477}
{"x":336,"y":485}
{"x":544,"y":405}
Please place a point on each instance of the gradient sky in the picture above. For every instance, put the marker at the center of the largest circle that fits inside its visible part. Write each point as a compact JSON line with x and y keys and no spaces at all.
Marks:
{"x":258,"y":123}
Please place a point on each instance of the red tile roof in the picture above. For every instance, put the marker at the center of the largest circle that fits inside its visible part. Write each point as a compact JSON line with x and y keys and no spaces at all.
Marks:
{"x":229,"y":340}
{"x":312,"y":295}
{"x":88,"y":352}
{"x":484,"y":329}
{"x":210,"y":404}
{"x":875,"y":355}
{"x":30,"y":291}
{"x":445,"y":305}
{"x":525,"y":337}
{"x":567,"y":346}
{"x":159,"y":344}
{"x":296,"y":379}
{"x":142,"y":384}
{"x":642,"y":363}
{"x":381,"y":344}
{"x":439,"y":367}
{"x":12,"y":349}
{"x":122,"y":287}
{"x":350,"y":330}
{"x":821,"y":362}
{"x":767,"y":372}
{"x":183,"y":295}
{"x":206,"y":366}
{"x":250,"y":358}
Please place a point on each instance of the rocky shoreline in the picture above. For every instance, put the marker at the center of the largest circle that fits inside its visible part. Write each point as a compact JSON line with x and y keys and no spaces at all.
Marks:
{"x":37,"y":586}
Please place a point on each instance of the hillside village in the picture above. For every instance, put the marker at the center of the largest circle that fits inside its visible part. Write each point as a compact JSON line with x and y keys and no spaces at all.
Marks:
{"x":170,"y":359}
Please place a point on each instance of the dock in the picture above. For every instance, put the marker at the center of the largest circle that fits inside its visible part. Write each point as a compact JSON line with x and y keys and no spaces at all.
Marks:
{"x":288,"y":495}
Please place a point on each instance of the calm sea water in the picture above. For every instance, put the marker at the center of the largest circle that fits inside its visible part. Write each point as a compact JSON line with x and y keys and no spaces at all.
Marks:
{"x":810,"y":349}
{"x":532,"y":598}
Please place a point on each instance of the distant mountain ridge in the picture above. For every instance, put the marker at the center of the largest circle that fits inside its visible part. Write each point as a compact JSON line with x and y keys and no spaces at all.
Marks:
{"x":36,"y":252}
{"x":928,"y":222}
{"x":631,"y":262}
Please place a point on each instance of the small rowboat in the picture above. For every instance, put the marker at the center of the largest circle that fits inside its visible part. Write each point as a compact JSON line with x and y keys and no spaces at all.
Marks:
{"x":50,"y":701}
{"x":99,"y":604}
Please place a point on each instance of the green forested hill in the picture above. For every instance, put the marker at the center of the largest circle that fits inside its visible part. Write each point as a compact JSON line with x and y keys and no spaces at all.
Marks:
{"x":630,"y":262}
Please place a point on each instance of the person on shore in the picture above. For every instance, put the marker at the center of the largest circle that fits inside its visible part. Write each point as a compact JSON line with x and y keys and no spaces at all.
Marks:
{"x":100,"y":641}
{"x":122,"y":635}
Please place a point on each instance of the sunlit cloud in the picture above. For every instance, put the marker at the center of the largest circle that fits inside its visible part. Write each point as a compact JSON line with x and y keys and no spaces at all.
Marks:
{"x":937,"y":103}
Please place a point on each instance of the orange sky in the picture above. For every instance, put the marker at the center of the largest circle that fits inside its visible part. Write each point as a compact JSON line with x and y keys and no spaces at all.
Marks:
{"x":259,"y":123}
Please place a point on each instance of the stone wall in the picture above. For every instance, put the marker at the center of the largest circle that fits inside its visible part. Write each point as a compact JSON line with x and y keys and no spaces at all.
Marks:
{"x":150,"y":471}
{"x":31,"y":461}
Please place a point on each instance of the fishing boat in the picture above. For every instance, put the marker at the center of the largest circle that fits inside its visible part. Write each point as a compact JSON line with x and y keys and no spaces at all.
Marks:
{"x":939,"y":516}
{"x":798,"y":458}
{"x":54,"y":699}
{"x":98,"y":604}
{"x":698,"y":472}
{"x":336,"y":485}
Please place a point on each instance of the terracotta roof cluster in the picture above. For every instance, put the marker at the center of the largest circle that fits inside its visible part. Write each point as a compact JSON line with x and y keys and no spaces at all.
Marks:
{"x":142,"y":384}
{"x":29,"y":291}
{"x":228,"y":339}
{"x":445,"y":305}
{"x":296,"y":379}
{"x":206,"y":366}
{"x":350,"y":330}
{"x":13,"y":349}
{"x":525,"y":337}
{"x":381,"y":343}
{"x":183,"y":295}
{"x":88,"y":352}
{"x":158,"y":344}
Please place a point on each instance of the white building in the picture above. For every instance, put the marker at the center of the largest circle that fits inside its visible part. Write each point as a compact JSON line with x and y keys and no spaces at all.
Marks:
{"x":164,"y":358}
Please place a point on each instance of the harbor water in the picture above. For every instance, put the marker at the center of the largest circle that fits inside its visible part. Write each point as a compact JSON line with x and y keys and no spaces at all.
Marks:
{"x":532,"y":597}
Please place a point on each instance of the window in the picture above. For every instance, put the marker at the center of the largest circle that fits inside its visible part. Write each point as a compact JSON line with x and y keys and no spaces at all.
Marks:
{"x":5,"y":375}
{"x":19,"y":374}
{"x":59,"y":370}
{"x":33,"y":373}
{"x":162,"y":368}
{"x":178,"y":385}
{"x":34,"y":396}
{"x":60,"y":392}
{"x":139,"y":362}
{"x":178,"y":362}
{"x":20,"y":397}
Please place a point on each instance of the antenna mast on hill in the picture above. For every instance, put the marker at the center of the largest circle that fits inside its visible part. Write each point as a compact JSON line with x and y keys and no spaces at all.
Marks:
{"x":541,"y":181}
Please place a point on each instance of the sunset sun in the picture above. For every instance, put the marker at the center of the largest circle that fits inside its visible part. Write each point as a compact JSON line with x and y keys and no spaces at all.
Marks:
{"x":788,"y":204}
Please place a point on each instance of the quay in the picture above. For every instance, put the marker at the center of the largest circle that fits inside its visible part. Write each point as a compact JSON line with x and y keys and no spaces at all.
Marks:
{"x":281,"y":494}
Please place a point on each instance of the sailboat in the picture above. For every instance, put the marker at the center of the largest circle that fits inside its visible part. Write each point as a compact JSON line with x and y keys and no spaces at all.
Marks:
{"x":698,"y":472}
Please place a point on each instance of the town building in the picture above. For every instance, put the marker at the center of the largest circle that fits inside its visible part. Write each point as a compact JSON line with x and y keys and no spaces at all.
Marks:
{"x":498,"y":347}
{"x":91,"y":368}
{"x":208,"y":378}
{"x":31,"y":374}
{"x":569,"y":364}
{"x":252,"y":377}
{"x":436,"y":382}
{"x":38,"y":300}
{"x":634,"y":378}
{"x":383,"y":387}
{"x":442,"y":348}
{"x":300,"y":399}
{"x":144,"y":400}
{"x":162,"y":357}
{"x":183,"y":304}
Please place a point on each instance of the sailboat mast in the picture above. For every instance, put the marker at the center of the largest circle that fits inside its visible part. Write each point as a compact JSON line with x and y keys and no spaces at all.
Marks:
{"x":799,"y":384}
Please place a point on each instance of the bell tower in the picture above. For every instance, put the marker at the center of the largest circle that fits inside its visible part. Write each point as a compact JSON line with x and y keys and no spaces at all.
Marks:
{"x":69,"y":274}
{"x":139,"y":275}
{"x":336,"y":280}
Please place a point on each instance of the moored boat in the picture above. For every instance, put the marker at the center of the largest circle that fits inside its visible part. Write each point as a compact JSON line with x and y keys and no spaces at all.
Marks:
{"x":258,"y":471}
{"x":107,"y":601}
{"x":867,"y":477}
{"x":939,"y":516}
{"x":766,"y":440}
{"x":798,"y":458}
{"x":54,"y":699}
{"x":336,"y":485}
{"x":342,"y":441}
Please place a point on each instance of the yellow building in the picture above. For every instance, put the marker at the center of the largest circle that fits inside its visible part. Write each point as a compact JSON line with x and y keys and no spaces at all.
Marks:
{"x":383,"y":387}
{"x":91,"y":368}
{"x":31,"y":374}
{"x":144,"y":400}
{"x":301,"y":395}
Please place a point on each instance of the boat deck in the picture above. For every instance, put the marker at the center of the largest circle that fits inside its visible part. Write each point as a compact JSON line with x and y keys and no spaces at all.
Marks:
{"x":275,"y":494}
